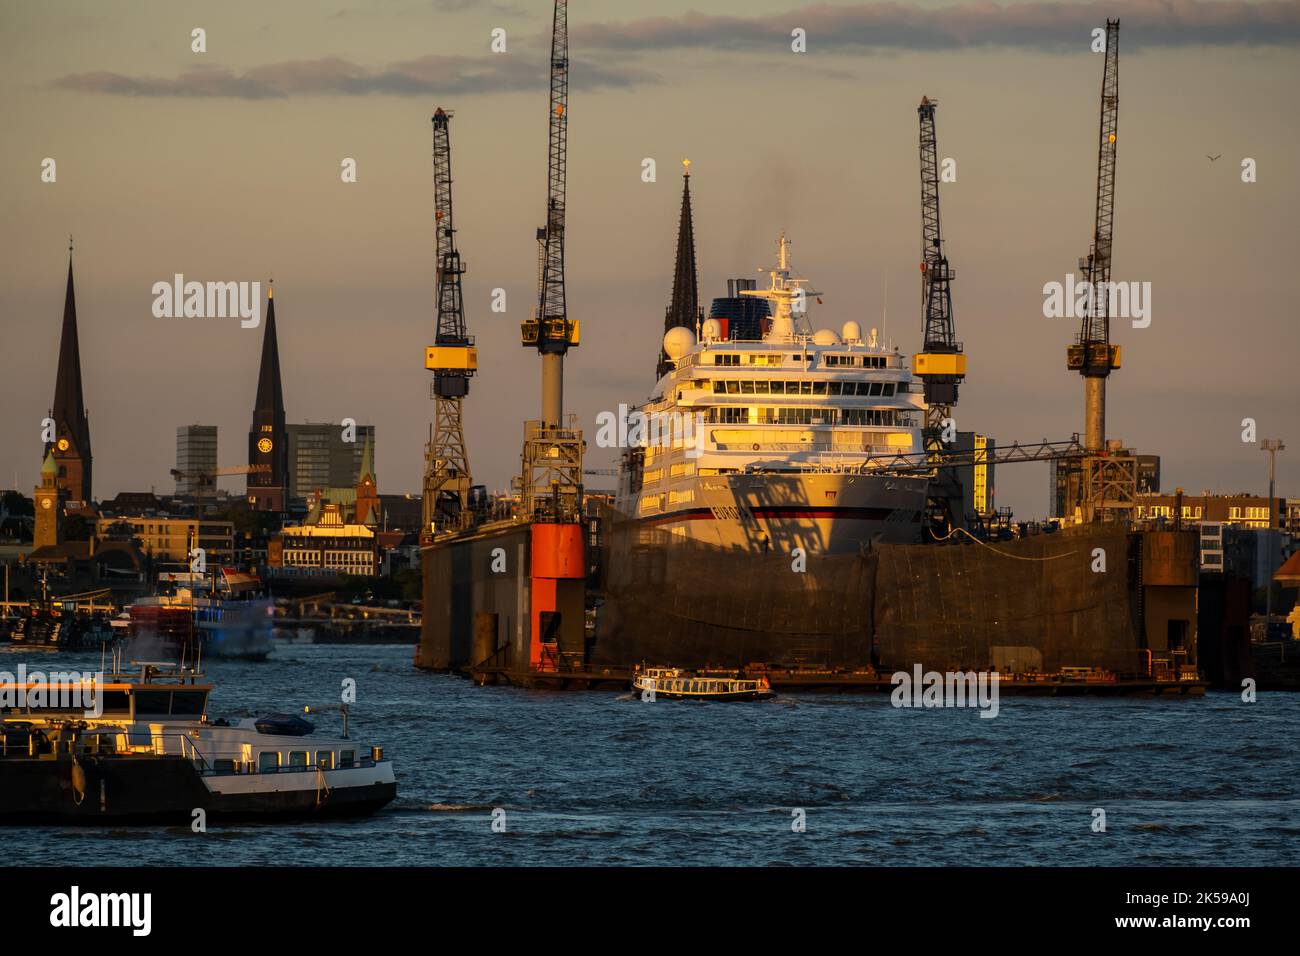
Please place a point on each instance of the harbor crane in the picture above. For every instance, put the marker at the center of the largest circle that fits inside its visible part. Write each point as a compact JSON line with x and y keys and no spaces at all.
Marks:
{"x":941,"y":364}
{"x":1092,"y":355}
{"x":452,"y":358}
{"x":551,"y":479}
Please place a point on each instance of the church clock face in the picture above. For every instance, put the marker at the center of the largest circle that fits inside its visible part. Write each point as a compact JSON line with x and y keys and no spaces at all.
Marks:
{"x":47,"y":503}
{"x":63,"y":444}
{"x":264,"y":445}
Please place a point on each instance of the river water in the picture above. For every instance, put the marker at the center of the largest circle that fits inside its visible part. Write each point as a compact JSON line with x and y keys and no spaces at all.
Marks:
{"x":605,"y":778}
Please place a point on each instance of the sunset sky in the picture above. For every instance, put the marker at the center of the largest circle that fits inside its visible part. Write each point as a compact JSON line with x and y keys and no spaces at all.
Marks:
{"x":225,"y":166}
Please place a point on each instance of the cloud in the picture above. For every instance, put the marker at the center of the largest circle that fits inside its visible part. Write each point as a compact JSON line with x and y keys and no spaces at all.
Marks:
{"x":1039,"y":25}
{"x":1035,"y":25}
{"x":333,"y":76}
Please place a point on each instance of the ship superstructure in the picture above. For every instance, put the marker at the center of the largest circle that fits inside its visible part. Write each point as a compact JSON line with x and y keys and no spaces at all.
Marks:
{"x":766,"y":435}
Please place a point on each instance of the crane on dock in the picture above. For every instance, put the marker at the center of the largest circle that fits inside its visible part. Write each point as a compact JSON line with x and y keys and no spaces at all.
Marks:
{"x":452,"y":358}
{"x":551,"y":479}
{"x":941,"y":364}
{"x":1092,"y":355}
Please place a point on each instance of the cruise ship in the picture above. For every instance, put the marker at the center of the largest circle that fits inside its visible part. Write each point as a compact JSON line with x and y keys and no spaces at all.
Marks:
{"x":767,"y":434}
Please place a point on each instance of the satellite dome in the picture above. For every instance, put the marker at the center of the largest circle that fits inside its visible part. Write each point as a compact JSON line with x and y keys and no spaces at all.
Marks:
{"x":826,"y":337}
{"x":711,"y":331}
{"x":851,"y":332}
{"x":677,"y":342}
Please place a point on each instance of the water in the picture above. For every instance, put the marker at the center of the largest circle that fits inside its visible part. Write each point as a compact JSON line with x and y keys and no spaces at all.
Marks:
{"x":603,"y":778}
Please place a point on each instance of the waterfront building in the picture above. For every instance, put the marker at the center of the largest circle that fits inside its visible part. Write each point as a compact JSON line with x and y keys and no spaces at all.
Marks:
{"x":173,"y":539}
{"x":1242,"y":510}
{"x":332,"y":545}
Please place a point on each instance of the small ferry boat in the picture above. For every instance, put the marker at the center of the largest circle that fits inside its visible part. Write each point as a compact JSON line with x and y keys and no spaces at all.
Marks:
{"x":675,"y":684}
{"x":224,"y":614}
{"x":140,"y":748}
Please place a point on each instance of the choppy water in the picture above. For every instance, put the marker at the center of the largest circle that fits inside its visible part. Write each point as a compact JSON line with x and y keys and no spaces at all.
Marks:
{"x":603,"y":778}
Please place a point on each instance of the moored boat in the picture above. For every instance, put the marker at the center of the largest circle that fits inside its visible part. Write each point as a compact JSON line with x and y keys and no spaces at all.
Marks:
{"x":140,"y":748}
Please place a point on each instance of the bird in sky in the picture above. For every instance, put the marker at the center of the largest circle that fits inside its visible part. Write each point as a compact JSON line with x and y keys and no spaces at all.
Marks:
{"x":1212,"y":158}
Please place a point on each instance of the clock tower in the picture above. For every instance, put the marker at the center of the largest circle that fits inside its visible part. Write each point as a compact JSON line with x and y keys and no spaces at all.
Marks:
{"x":50,"y":499}
{"x":71,"y":441}
{"x":268,"y":445}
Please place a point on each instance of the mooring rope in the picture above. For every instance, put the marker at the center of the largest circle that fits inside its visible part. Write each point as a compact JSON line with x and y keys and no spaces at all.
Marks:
{"x":1013,"y":557}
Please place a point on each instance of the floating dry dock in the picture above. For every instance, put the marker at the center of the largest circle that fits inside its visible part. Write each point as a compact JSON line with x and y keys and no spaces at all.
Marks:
{"x":850,"y":682}
{"x":577,"y":606}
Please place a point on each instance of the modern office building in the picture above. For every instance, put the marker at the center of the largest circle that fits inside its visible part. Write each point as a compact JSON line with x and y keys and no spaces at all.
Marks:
{"x":196,"y":454}
{"x":977,"y":479}
{"x":319,"y":458}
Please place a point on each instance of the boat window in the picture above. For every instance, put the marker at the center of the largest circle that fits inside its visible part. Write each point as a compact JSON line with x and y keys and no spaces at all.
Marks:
{"x":188,"y":703}
{"x":761,"y":388}
{"x":747,"y":387}
{"x":223,"y":765}
{"x":156,"y":703}
{"x":347,"y":758}
{"x":325,"y":759}
{"x":268,"y":761}
{"x":819,"y":388}
{"x":298,"y":758}
{"x":834,"y":388}
{"x":115,"y":701}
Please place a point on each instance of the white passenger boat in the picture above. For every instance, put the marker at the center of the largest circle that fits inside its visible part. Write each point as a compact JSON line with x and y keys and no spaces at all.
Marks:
{"x":675,"y":684}
{"x":152,"y":755}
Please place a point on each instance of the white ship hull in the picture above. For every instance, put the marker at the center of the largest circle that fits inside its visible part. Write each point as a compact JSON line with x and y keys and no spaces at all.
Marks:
{"x":821,"y":513}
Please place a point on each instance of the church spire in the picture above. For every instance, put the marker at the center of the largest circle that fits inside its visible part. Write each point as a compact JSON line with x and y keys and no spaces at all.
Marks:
{"x":71,"y":445}
{"x":684,"y":308}
{"x":270,"y":393}
{"x":367,"y":461}
{"x":268,"y":437}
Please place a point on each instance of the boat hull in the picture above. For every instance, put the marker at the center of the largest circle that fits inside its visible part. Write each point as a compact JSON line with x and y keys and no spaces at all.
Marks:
{"x":819,"y":512}
{"x":168,"y":789}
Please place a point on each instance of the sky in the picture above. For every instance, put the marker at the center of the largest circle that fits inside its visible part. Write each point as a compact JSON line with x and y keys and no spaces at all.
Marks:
{"x":225,"y":165}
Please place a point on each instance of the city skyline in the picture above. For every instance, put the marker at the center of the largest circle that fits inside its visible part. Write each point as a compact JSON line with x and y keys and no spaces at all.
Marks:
{"x":245,"y":186}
